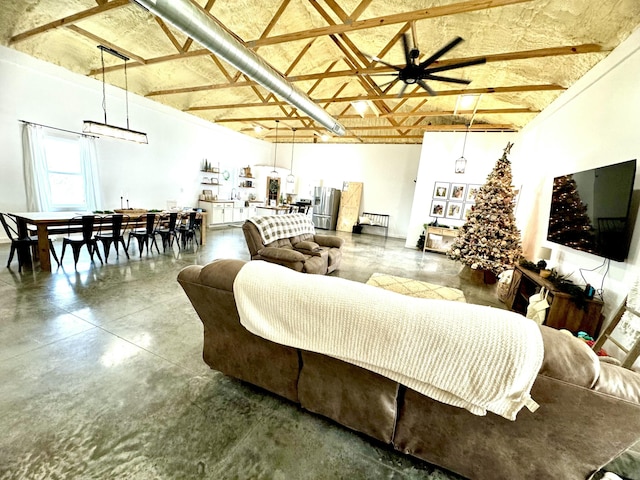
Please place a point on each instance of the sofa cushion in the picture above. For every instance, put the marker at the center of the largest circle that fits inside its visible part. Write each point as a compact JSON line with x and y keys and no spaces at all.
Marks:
{"x":568,"y":358}
{"x":280,"y":243}
{"x":307,"y":247}
{"x":619,"y":382}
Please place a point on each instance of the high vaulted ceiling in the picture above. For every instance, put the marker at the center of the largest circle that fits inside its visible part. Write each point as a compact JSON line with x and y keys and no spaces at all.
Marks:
{"x":535,"y":49}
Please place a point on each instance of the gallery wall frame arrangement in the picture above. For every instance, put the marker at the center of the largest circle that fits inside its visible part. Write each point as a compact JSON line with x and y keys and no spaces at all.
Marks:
{"x":453,"y":200}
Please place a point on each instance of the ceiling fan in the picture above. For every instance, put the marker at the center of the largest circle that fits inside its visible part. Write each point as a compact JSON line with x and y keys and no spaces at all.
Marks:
{"x":416,"y":73}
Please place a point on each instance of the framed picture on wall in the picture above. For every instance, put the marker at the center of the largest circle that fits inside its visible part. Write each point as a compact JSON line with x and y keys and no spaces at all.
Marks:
{"x":441,"y":190}
{"x":472,"y":192}
{"x":438,"y":208}
{"x":457,"y":192}
{"x":466,"y":211}
{"x":454,"y":210}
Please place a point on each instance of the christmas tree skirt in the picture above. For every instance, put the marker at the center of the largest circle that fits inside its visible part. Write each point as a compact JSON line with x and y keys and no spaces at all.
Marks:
{"x":415,"y":288}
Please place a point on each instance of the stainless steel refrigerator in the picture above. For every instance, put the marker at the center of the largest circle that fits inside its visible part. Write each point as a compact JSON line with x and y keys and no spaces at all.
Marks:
{"x":326,"y":203}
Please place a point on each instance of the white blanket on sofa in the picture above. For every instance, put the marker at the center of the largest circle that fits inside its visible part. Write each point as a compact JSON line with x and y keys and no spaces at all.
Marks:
{"x":475,"y":357}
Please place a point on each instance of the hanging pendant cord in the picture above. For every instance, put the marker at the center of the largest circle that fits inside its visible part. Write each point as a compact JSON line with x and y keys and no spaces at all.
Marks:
{"x":464,"y":144}
{"x":275,"y":150}
{"x":292,"y":145}
{"x":104,"y":92}
{"x":126,"y":92}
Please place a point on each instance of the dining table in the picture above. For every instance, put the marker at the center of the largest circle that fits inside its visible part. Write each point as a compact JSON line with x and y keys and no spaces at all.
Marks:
{"x":45,"y":224}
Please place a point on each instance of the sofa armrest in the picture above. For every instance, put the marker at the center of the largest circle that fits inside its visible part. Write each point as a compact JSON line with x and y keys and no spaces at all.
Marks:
{"x":329,"y":241}
{"x":281,"y":254}
{"x":218,"y":274}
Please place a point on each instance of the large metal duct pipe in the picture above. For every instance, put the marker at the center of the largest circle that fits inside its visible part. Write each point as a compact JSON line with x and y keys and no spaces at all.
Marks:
{"x":197,"y":24}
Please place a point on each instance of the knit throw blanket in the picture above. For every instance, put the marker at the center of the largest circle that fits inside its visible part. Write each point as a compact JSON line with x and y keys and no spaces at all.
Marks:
{"x":470,"y":356}
{"x":277,"y":227}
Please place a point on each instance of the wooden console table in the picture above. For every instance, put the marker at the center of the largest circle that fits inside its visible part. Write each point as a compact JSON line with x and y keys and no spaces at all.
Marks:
{"x":447,"y":234}
{"x":563,"y":312}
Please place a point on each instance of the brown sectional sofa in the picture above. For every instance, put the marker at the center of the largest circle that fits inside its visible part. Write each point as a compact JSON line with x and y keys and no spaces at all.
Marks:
{"x":589,"y":411}
{"x":307,"y":253}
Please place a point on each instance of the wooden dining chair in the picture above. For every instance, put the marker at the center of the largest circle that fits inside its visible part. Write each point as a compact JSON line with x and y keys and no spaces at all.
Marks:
{"x":145,"y":233}
{"x":112,"y":228}
{"x":77,"y":239}
{"x":22,"y":244}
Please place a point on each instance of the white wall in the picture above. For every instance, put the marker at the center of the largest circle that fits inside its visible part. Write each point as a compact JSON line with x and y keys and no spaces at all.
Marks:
{"x":594,"y":123}
{"x":439,"y":153}
{"x":386,"y":171}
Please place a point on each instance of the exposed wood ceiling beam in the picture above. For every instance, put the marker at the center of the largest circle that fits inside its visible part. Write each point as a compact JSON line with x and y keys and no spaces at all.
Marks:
{"x":453,"y":9}
{"x":500,"y":57}
{"x":106,"y":43}
{"x":468,"y":91}
{"x":71,"y":19}
{"x":462,"y":7}
{"x":432,"y":113}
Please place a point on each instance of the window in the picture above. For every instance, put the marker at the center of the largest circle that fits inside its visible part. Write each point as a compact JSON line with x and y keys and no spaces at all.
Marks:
{"x":60,"y":170}
{"x":65,"y":173}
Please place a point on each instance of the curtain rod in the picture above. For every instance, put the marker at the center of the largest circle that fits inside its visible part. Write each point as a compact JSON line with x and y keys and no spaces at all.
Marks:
{"x":59,"y":129}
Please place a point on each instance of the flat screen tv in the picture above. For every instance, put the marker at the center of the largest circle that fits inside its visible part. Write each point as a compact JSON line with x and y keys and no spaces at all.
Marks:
{"x":590,"y":210}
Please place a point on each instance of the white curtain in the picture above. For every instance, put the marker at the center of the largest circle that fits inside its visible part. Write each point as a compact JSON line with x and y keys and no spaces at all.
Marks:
{"x":36,"y":174}
{"x":35,"y":169}
{"x":89,"y":158}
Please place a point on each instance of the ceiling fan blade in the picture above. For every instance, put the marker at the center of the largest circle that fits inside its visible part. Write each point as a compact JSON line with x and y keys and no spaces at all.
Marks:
{"x":477,"y":61}
{"x":441,"y":52}
{"x":427,"y":88}
{"x":407,"y":48}
{"x":401,"y":92}
{"x":373,"y":58}
{"x":389,"y":83}
{"x":446,"y":79}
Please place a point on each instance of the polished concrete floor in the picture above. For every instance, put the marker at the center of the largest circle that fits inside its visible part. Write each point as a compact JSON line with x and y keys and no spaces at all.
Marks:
{"x":101,"y":376}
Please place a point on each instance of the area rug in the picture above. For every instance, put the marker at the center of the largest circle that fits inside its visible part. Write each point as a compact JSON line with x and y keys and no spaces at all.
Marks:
{"x":415,"y":288}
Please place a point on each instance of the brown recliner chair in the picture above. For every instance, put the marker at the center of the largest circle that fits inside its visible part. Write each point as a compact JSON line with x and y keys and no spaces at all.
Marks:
{"x":307,"y":253}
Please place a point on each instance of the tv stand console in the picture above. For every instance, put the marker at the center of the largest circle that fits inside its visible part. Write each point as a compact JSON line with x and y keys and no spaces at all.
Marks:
{"x":563,"y":312}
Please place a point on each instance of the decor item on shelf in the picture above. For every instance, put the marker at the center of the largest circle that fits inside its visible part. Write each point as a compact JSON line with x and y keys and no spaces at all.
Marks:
{"x":291,"y":178}
{"x":461,"y":163}
{"x":104,"y":129}
{"x":275,"y":150}
{"x":489,"y":240}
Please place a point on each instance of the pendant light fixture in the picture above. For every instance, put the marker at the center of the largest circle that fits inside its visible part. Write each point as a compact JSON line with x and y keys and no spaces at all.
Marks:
{"x":275,"y":150}
{"x":461,"y":163}
{"x":104,"y":129}
{"x":291,"y":178}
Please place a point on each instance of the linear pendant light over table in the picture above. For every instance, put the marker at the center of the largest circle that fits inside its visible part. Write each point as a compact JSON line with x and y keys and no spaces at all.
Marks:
{"x":104,"y":129}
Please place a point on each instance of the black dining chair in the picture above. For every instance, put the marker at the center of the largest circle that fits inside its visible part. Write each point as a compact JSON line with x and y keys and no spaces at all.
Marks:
{"x":168,"y":233}
{"x":145,"y":233}
{"x":76,"y":239}
{"x":112,"y":228}
{"x":187,"y":230}
{"x":22,"y":244}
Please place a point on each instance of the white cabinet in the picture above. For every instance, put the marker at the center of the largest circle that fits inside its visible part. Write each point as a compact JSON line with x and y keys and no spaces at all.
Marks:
{"x":240,"y":214}
{"x":219,"y":212}
{"x":227,"y":213}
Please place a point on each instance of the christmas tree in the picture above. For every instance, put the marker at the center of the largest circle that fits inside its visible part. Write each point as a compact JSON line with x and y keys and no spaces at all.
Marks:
{"x":569,"y":223}
{"x":489,"y":240}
